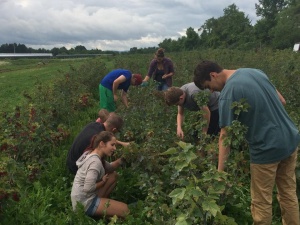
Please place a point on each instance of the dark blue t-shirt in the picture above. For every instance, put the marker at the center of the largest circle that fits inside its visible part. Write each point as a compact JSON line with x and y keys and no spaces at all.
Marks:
{"x":109,"y":79}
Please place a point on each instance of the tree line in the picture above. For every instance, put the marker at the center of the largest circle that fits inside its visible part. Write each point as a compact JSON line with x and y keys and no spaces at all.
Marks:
{"x":277,"y":28}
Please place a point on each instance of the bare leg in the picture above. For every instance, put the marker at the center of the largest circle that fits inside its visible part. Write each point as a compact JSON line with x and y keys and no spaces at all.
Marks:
{"x":109,"y":207}
{"x":110,"y":184}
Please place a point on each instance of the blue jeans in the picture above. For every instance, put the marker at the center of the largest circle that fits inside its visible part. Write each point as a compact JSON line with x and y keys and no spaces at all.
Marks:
{"x":161,"y":86}
{"x":93,"y":207}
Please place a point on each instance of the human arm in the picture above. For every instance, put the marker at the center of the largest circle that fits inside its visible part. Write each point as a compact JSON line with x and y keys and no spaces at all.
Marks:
{"x":152,"y":68}
{"x":167,"y":75}
{"x":223,"y":151}
{"x":117,"y":163}
{"x":281,"y":98}
{"x":168,"y":68}
{"x":124,"y":144}
{"x":206,"y":116}
{"x":124,"y":98}
{"x":90,"y":180}
{"x":180,"y":118}
{"x":147,"y":78}
{"x":116,"y":84}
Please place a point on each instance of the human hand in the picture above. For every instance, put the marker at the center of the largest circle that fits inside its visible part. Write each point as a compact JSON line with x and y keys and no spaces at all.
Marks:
{"x":180,"y":134}
{"x":144,"y":84}
{"x":164,"y":76}
{"x":105,"y":178}
{"x":115,"y":98}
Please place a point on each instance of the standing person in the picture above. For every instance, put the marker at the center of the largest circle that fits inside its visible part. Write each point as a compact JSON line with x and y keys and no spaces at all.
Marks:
{"x":91,"y":187}
{"x":113,"y":124}
{"x":118,"y":79}
{"x":162,"y":70}
{"x":184,"y":98}
{"x":272,"y":136}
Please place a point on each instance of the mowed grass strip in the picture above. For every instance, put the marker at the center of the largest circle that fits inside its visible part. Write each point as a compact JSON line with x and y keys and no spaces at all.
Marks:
{"x":20,"y":75}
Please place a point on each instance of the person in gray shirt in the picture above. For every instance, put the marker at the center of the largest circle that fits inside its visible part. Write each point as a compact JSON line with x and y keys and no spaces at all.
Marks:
{"x":184,"y":98}
{"x":91,"y":187}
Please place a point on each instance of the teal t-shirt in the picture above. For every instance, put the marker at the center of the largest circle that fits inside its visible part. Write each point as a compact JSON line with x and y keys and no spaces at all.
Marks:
{"x":272,"y":135}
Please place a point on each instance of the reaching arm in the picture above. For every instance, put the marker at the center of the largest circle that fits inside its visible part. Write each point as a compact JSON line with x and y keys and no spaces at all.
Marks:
{"x":223,"y":151}
{"x":146,"y":78}
{"x":206,"y":116}
{"x":281,"y":98}
{"x":117,"y":163}
{"x":167,"y":75}
{"x":124,"y":98}
{"x":124,"y":144}
{"x":116,"y":84}
{"x":180,"y":118}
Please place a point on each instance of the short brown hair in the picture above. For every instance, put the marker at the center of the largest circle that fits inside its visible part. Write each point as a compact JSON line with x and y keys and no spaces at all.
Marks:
{"x":115,"y":121}
{"x":172,"y":95}
{"x":103,"y":115}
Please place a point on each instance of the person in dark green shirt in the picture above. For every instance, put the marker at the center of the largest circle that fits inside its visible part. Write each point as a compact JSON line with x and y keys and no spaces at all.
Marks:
{"x":272,"y":136}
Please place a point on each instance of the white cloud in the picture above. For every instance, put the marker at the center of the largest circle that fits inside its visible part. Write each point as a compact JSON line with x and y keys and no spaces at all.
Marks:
{"x":106,"y":25}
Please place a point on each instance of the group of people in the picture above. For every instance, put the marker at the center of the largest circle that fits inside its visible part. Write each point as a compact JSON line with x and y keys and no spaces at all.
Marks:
{"x":272,"y":136}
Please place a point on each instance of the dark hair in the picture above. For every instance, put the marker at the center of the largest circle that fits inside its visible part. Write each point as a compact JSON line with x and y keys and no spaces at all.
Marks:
{"x":203,"y":70}
{"x":160,"y":52}
{"x":104,"y":136}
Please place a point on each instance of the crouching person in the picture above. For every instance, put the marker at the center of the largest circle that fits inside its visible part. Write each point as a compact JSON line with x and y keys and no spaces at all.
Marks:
{"x":96,"y":178}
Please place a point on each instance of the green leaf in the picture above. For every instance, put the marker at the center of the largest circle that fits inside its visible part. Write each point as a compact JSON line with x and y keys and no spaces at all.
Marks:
{"x":184,"y":145}
{"x":176,"y":194}
{"x":190,"y":156}
{"x":211,"y":207}
{"x":181,"y":164}
{"x":181,"y":220}
{"x":170,"y":151}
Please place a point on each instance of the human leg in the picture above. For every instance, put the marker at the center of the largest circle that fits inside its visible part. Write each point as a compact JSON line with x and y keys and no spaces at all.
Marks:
{"x":286,"y":186}
{"x":106,"y":99}
{"x":110,"y":184}
{"x":110,"y":207}
{"x":262,"y":183}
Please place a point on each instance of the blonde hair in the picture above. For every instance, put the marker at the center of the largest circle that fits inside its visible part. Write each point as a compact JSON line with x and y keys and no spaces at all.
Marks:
{"x":172,"y":95}
{"x":103,"y":115}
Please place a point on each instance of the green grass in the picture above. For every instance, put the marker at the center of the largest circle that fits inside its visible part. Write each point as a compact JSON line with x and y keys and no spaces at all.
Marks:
{"x":19,"y":76}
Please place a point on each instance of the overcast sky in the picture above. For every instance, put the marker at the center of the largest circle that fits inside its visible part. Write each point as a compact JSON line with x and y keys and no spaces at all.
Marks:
{"x":107,"y":24}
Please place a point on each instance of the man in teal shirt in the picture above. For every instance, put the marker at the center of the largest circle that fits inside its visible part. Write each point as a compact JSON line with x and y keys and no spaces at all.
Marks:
{"x":272,"y":136}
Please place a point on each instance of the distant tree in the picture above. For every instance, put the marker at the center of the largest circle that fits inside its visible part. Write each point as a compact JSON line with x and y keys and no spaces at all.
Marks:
{"x":21,"y":48}
{"x":288,"y":22}
{"x":133,"y":50}
{"x":63,"y":50}
{"x":55,"y":51}
{"x":80,"y":49}
{"x":269,"y":9}
{"x":226,"y":31}
{"x":192,"y":39}
{"x":166,"y":44}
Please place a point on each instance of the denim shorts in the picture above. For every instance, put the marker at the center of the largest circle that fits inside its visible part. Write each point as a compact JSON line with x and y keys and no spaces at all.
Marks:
{"x":93,"y":207}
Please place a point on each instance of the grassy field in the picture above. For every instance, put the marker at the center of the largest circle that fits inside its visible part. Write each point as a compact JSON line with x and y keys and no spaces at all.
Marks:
{"x":18,"y":76}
